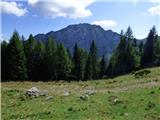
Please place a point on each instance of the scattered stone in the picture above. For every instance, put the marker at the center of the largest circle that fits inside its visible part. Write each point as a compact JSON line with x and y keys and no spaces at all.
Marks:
{"x":66,"y":93}
{"x":43,"y":93}
{"x":125,"y":114}
{"x":114,"y":100}
{"x":33,"y":92}
{"x":49,"y":97}
{"x":84,"y":97}
{"x":111,"y":98}
{"x":89,"y":92}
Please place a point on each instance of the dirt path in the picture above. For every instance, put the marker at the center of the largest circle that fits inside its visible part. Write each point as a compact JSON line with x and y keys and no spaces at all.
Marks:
{"x":130,"y":87}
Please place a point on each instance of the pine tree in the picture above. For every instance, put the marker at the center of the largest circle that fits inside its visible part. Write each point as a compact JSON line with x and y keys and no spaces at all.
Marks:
{"x":92,"y":67}
{"x":157,"y":51}
{"x":17,"y":60}
{"x":40,"y":66}
{"x":88,"y":69}
{"x":102,"y":67}
{"x":69,"y":53}
{"x":148,"y":53}
{"x":29,"y":48}
{"x":141,"y":48}
{"x":125,"y":58}
{"x":51,"y":58}
{"x":4,"y":61}
{"x":63,"y":63}
{"x":78,"y":60}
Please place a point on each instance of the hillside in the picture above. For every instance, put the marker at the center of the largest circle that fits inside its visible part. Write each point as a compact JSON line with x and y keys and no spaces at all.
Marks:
{"x":83,"y":34}
{"x":135,"y":95}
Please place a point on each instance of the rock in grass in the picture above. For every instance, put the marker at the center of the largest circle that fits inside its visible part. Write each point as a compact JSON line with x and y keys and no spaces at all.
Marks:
{"x":84,"y":97}
{"x":125,"y":114}
{"x":66,"y":93}
{"x":43,"y":93}
{"x":89,"y":92}
{"x":33,"y":92}
{"x":49,"y":97}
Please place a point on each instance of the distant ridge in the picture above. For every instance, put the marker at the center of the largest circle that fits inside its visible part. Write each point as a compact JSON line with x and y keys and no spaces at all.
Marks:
{"x":83,"y":34}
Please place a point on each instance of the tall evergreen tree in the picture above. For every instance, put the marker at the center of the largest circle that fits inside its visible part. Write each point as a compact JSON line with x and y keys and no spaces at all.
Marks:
{"x":157,"y":51}
{"x":29,"y":48}
{"x":88,"y":69}
{"x":4,"y":61}
{"x":17,"y":60}
{"x":141,"y":48}
{"x":40,"y":66}
{"x":78,"y":60}
{"x":63,"y":63}
{"x":51,"y":58}
{"x":92,"y":66}
{"x":102,"y":67}
{"x":148,"y":53}
{"x":125,"y":58}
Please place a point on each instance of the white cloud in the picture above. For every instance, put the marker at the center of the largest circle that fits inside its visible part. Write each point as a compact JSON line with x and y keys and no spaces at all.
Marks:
{"x":32,"y":2}
{"x":12,"y":8}
{"x":154,"y":10}
{"x":154,"y":1}
{"x":62,"y":8}
{"x":105,"y":23}
{"x":144,"y":13}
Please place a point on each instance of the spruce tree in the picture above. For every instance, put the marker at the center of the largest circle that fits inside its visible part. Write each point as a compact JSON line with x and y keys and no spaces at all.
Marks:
{"x":141,"y":49}
{"x":51,"y":58}
{"x":63,"y":63}
{"x":102,"y":67}
{"x":88,"y":69}
{"x":92,"y":66}
{"x":40,"y":67}
{"x":78,"y":60}
{"x":4,"y":61}
{"x":125,"y":58}
{"x":157,"y":51}
{"x":29,"y":48}
{"x":148,"y":52}
{"x":17,"y":60}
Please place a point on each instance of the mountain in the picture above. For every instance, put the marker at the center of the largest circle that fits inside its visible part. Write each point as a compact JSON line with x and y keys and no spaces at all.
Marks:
{"x":83,"y":34}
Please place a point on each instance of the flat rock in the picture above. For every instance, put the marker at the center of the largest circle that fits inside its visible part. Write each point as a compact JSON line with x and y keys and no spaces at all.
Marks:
{"x":89,"y":92}
{"x":49,"y":98}
{"x":33,"y":92}
{"x":66,"y":94}
{"x":84,"y":97}
{"x":44,"y":93}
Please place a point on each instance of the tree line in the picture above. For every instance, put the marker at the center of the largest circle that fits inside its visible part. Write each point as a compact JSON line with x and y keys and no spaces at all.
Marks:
{"x":35,"y":60}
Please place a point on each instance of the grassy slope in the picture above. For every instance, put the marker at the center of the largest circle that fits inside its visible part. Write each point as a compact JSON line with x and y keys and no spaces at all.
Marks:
{"x":137,"y":99}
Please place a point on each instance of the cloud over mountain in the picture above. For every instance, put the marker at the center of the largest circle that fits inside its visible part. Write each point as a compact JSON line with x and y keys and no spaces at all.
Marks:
{"x":105,"y":23}
{"x":62,"y":8}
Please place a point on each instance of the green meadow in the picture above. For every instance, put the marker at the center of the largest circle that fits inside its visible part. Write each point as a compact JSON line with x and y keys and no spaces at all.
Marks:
{"x":135,"y":96}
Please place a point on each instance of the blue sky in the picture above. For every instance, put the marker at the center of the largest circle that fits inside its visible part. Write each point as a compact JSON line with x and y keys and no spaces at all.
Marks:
{"x":34,"y":16}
